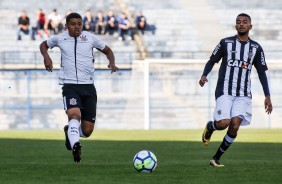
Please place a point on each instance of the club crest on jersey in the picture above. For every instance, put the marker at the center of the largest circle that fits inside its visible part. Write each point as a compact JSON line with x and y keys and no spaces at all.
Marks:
{"x":219,"y":112}
{"x":73,"y":101}
{"x":83,"y":38}
{"x":250,"y":54}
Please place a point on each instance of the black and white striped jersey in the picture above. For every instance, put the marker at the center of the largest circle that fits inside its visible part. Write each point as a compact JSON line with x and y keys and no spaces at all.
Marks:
{"x":237,"y":60}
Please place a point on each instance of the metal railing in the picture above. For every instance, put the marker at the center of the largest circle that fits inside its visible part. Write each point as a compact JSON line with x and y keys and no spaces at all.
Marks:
{"x":34,"y":58}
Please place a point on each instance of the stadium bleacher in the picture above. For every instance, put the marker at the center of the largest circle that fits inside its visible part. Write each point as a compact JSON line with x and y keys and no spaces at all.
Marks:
{"x":10,"y":11}
{"x":176,"y":101}
{"x":267,"y":24}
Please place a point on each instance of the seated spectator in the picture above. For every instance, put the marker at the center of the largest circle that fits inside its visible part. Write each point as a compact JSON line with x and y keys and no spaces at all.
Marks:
{"x":24,"y":26}
{"x":124,"y":27}
{"x":141,"y":22}
{"x":54,"y":22}
{"x":41,"y":22}
{"x":100,"y":25}
{"x":88,"y":21}
{"x":111,"y":23}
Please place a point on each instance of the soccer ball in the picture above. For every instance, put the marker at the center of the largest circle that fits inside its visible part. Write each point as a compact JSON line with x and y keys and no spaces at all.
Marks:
{"x":145,"y":161}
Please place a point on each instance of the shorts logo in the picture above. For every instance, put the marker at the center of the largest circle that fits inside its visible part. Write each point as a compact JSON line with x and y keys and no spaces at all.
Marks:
{"x":73,"y":101}
{"x":219,"y":112}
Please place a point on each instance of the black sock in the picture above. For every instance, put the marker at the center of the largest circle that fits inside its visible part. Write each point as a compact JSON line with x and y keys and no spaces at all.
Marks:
{"x":225,"y":144}
{"x":211,"y":126}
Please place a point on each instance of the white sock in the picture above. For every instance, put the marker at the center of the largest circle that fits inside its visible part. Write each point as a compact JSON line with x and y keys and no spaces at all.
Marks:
{"x":73,"y":131}
{"x":80,"y":132}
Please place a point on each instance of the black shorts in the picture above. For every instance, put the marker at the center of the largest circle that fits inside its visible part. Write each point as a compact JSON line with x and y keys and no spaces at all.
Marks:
{"x":82,"y":96}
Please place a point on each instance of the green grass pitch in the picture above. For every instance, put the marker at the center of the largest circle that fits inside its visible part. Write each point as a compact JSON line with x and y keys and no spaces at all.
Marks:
{"x":39,"y":157}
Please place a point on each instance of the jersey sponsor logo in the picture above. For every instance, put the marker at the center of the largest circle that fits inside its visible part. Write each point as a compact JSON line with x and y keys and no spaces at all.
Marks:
{"x":262,"y":58}
{"x":233,"y":51}
{"x":83,"y":38}
{"x":238,"y":63}
{"x":254,"y":45}
{"x":229,"y":41}
{"x":74,"y":130}
{"x":73,"y":101}
{"x":216,"y":49}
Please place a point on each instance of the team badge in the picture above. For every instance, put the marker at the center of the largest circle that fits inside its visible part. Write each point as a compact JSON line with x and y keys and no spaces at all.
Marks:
{"x":73,"y":101}
{"x":250,"y":55}
{"x":83,"y":38}
{"x":219,"y":112}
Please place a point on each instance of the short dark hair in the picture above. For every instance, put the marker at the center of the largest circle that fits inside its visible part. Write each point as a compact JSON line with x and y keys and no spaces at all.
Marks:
{"x":245,"y":15}
{"x":73,"y":15}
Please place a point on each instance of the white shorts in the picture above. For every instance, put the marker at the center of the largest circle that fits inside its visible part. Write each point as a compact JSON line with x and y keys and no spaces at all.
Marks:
{"x":228,"y":107}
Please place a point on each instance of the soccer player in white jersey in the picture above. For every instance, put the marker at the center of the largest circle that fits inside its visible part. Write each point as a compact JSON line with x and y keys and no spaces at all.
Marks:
{"x":233,"y":90}
{"x":76,"y":75}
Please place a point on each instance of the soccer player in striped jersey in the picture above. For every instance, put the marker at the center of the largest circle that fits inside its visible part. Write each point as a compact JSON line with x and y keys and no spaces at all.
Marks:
{"x":233,"y":90}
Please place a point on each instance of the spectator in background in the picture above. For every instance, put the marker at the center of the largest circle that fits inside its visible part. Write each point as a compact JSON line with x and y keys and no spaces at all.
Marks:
{"x":24,"y":26}
{"x":111,"y":23}
{"x":64,"y":21}
{"x":41,"y":19}
{"x":124,"y":27}
{"x":54,"y":22}
{"x":88,"y":22}
{"x":140,"y":21}
{"x":100,"y":25}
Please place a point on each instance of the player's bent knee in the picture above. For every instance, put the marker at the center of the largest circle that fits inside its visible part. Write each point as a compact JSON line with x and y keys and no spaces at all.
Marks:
{"x":87,"y":133}
{"x":87,"y":128}
{"x":74,"y":113}
{"x":223,"y":124}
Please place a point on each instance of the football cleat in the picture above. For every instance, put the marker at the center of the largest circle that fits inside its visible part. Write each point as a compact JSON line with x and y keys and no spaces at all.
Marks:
{"x":76,"y":152}
{"x":67,"y":142}
{"x":215,"y":163}
{"x":206,"y":137}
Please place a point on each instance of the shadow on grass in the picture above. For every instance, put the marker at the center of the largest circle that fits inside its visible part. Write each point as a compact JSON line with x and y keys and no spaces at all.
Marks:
{"x":45,"y":161}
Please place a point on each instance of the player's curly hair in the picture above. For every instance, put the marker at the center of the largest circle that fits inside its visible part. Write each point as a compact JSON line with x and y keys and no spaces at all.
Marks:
{"x":245,"y":15}
{"x":73,"y":15}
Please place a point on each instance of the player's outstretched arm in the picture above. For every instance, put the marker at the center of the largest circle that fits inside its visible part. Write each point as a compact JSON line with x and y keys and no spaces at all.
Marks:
{"x":110,"y":55}
{"x":47,"y":60}
{"x":267,"y":102}
{"x":268,"y":105}
{"x":208,"y":67}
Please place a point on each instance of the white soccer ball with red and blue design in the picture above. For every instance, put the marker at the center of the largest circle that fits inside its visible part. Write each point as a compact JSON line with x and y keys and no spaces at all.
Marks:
{"x":145,"y":161}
